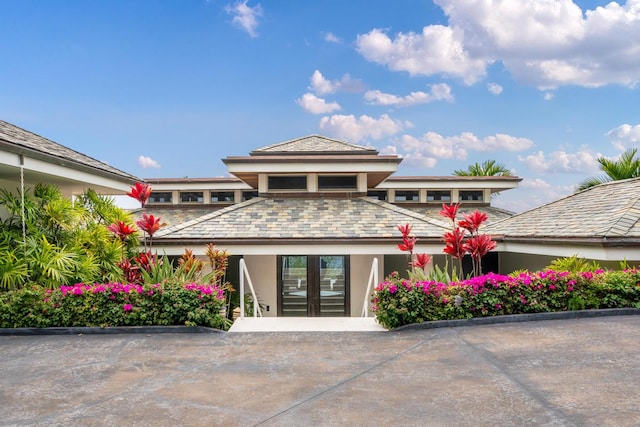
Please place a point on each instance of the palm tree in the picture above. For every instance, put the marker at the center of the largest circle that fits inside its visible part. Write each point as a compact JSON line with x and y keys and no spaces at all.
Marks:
{"x":487,"y":168}
{"x":627,"y":166}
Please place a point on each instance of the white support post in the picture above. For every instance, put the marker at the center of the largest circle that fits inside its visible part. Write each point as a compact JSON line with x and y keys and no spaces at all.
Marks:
{"x":257,"y":312}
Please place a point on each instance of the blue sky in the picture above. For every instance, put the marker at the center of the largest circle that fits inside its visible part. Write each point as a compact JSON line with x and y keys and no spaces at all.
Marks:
{"x":167,"y":88}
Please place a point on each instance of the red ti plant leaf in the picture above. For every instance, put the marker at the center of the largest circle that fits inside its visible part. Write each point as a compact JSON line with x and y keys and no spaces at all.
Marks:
{"x":454,"y":243}
{"x":140,"y":192}
{"x":145,"y":260}
{"x":450,"y":211}
{"x":473,"y":221}
{"x":405,"y":230}
{"x":121,"y":230}
{"x":131,"y":272}
{"x":479,"y":246}
{"x":421,"y":261}
{"x":149,"y":224}
{"x":408,"y":243}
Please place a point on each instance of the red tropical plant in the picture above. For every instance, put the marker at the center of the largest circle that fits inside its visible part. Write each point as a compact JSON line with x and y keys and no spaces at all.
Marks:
{"x":146,"y":260}
{"x":140,"y":192}
{"x":473,"y":221}
{"x":421,"y":261}
{"x":131,"y":272}
{"x":121,"y":230}
{"x":149,"y":224}
{"x":478,"y":246}
{"x":450,"y":211}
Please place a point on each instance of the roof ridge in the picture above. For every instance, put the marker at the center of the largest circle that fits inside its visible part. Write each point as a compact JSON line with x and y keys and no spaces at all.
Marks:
{"x":315,"y":135}
{"x":626,"y":221}
{"x":165,"y":232}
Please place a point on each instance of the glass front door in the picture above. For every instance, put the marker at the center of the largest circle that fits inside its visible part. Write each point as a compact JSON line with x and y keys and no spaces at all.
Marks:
{"x":313,"y":285}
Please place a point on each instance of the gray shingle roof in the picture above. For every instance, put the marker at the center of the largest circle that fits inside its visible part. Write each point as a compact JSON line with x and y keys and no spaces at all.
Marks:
{"x":326,"y":219}
{"x":494,"y":214}
{"x":313,"y":144}
{"x":17,"y":139}
{"x":607,"y":210}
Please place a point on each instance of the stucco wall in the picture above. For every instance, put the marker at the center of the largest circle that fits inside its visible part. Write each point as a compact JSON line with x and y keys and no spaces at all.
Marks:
{"x":359,"y":277}
{"x":264,"y":275}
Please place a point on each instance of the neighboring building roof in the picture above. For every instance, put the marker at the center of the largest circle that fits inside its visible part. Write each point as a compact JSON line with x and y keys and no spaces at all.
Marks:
{"x":313,"y":144}
{"x":264,"y":219}
{"x":608,"y":212}
{"x":17,"y":140}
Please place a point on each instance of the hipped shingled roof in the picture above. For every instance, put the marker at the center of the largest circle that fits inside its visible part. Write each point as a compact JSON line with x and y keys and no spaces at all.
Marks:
{"x":17,"y":140}
{"x":608,"y":211}
{"x":303,"y":219}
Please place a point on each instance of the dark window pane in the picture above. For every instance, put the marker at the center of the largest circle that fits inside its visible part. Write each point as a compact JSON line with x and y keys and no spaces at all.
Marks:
{"x":160,"y":197}
{"x":378,"y":195}
{"x":222,"y":196}
{"x":248,"y":195}
{"x":191,"y":196}
{"x":287,"y":183}
{"x":439,"y":196}
{"x":330,"y":182}
{"x":407,"y":196}
{"x":473,"y":196}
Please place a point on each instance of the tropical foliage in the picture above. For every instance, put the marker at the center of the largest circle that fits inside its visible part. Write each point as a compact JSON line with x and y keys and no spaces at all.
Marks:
{"x":625,"y":167}
{"x":399,"y":302}
{"x":61,"y":241}
{"x":487,"y":168}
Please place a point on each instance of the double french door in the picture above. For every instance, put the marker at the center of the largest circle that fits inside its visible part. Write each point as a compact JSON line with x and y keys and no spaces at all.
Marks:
{"x":313,"y":285}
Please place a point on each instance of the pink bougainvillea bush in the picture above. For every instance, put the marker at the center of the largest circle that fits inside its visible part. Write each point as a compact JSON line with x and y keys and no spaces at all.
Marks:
{"x":399,"y":302}
{"x":113,"y":304}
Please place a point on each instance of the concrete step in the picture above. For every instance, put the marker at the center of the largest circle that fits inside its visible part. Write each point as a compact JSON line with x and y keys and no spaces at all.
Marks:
{"x":302,"y":324}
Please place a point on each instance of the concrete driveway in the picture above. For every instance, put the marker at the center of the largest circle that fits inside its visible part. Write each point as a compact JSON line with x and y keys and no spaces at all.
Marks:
{"x":582,"y":372}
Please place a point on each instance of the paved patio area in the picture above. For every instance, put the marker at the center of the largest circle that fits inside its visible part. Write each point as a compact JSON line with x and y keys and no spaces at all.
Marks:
{"x":582,"y":372}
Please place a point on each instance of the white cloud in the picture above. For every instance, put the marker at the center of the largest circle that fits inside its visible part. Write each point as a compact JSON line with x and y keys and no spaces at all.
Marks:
{"x":322,"y":86}
{"x":331,"y":38}
{"x":439,"y":92}
{"x":437,"y":50}
{"x":427,"y":149}
{"x":625,"y":136}
{"x":531,"y":193}
{"x":147,"y":162}
{"x":548,"y":96}
{"x":494,"y":88}
{"x":544,"y":43}
{"x":314,"y":105}
{"x":580,"y":162}
{"x":355,"y":129}
{"x":245,"y":16}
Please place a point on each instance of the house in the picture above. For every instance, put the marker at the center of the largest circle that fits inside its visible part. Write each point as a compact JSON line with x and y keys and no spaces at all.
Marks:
{"x":601,"y":223}
{"x":309,"y":216}
{"x":27,"y":159}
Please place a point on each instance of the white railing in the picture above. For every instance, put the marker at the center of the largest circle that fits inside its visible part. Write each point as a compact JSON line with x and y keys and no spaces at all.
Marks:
{"x":373,"y":281}
{"x":244,"y":273}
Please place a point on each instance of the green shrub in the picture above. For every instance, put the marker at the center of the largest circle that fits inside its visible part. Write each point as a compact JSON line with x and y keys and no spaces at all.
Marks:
{"x":113,"y":305}
{"x":400,"y":302}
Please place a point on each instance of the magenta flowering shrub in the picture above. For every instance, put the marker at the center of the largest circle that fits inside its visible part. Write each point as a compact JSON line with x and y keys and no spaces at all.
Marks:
{"x":400,"y":302}
{"x":114,"y":304}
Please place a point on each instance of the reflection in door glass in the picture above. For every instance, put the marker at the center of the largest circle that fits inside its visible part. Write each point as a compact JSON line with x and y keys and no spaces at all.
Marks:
{"x":332,"y":286}
{"x":294,"y":285}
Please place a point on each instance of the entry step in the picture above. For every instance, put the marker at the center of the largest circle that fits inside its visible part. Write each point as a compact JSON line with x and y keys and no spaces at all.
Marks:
{"x":306,"y":324}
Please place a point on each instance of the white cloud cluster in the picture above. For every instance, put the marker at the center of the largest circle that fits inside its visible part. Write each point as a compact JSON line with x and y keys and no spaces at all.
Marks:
{"x":438,"y":92}
{"x":314,"y":105}
{"x":322,"y":86}
{"x":331,"y":38}
{"x":426,"y":150}
{"x":625,"y":136}
{"x":245,"y":16}
{"x":580,"y":162}
{"x":147,"y":162}
{"x":353,"y":129}
{"x":494,"y":88}
{"x":530,"y":194}
{"x":545,"y":43}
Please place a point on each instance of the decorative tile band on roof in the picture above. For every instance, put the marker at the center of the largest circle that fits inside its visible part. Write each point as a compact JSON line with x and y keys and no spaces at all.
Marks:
{"x":313,"y":144}
{"x":262,"y":218}
{"x":20,"y":138}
